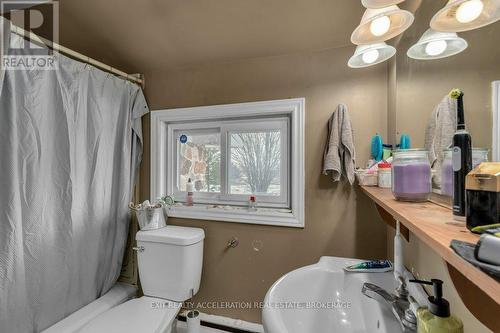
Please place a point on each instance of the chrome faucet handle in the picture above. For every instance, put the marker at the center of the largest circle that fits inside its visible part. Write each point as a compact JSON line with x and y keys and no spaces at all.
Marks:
{"x":398,"y":304}
{"x":409,"y":320}
{"x":402,"y":290}
{"x":375,"y":292}
{"x":401,"y":280}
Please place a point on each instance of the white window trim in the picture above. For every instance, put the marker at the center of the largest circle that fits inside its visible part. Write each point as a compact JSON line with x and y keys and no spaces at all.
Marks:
{"x":293,"y":108}
{"x":496,"y":120}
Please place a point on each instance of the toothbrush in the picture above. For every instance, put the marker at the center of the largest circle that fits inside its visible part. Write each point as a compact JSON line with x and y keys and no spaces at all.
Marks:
{"x":462,"y":157}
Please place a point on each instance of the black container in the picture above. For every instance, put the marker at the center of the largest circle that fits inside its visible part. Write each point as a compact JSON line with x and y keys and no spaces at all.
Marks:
{"x":483,"y":208}
{"x":483,"y":195}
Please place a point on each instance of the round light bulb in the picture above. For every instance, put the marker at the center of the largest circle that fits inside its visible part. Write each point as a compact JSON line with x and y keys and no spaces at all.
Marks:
{"x":370,"y":56}
{"x":469,"y":11}
{"x":436,"y":47}
{"x":380,"y":25}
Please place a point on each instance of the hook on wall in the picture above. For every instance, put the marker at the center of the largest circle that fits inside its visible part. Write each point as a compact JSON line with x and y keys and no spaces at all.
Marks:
{"x":232,"y":243}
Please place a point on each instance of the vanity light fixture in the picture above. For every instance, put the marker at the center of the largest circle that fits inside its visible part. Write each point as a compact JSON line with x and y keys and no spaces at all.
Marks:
{"x":369,"y":55}
{"x":464,"y":15}
{"x":437,"y":45}
{"x":380,"y":3}
{"x":378,"y":25}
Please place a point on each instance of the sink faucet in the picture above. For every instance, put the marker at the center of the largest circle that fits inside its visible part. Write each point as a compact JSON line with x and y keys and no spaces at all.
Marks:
{"x":398,"y":302}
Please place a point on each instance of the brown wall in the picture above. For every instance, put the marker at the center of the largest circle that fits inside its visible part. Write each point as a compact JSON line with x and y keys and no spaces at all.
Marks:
{"x":340,"y":221}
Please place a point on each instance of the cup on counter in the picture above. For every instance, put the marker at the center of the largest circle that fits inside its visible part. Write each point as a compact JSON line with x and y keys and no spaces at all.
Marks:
{"x":384,"y":175}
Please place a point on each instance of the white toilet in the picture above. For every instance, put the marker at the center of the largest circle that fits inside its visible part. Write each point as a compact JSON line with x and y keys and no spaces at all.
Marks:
{"x":170,"y":261}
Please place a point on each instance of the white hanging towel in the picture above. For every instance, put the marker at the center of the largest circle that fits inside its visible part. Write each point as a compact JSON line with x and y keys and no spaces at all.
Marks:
{"x":439,"y":133}
{"x":340,"y":156}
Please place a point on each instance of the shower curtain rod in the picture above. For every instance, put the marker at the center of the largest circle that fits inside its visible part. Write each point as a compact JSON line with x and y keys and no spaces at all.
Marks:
{"x":135,"y":78}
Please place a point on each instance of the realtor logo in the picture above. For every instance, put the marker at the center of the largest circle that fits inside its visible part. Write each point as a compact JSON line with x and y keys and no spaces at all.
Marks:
{"x":41,"y":19}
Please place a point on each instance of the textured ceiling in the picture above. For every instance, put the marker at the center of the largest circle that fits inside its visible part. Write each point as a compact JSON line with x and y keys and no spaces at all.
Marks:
{"x":142,"y":35}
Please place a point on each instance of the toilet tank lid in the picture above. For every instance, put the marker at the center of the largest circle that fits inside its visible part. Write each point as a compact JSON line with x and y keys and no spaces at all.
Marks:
{"x":173,"y":235}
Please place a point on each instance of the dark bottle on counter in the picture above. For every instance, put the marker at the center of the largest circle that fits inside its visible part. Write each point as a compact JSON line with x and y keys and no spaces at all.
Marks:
{"x":461,"y":158}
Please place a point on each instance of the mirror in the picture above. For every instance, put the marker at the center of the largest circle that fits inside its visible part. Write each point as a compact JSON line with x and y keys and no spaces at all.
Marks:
{"x":421,"y":85}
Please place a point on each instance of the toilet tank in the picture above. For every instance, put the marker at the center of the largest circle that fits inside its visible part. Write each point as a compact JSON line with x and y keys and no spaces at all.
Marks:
{"x":170,"y":261}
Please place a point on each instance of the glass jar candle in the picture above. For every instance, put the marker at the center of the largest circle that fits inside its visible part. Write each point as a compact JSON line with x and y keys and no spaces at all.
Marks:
{"x":447,"y":173}
{"x":479,"y":155}
{"x":411,"y":175}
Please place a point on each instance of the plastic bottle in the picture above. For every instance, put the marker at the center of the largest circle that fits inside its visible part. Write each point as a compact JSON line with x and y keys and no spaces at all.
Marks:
{"x":437,"y":318}
{"x":252,"y":203}
{"x":190,"y":190}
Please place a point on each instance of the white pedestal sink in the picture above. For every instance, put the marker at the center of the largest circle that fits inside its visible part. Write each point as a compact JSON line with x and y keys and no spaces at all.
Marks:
{"x":324,"y":298}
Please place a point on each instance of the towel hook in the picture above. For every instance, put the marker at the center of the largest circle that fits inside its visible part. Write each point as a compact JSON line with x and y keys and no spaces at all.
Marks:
{"x":232,"y":243}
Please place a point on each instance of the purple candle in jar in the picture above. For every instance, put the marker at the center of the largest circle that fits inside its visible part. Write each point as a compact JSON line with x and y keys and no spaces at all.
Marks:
{"x":447,"y":178}
{"x":412,"y":181}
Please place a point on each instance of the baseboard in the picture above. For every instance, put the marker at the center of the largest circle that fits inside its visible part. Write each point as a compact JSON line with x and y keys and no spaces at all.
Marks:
{"x":225,"y":323}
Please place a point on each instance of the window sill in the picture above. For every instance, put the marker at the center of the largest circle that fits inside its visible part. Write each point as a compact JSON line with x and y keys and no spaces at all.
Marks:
{"x":265,"y":216}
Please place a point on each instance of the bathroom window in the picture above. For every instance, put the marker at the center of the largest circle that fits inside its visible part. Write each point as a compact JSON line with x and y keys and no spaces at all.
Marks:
{"x":229,"y":160}
{"x":230,"y":152}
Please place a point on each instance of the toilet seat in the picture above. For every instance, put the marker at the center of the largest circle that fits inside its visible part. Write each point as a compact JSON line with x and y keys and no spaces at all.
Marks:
{"x":144,"y":314}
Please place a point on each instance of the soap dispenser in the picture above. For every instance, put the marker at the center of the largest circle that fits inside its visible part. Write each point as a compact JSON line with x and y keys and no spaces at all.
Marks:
{"x":437,"y":318}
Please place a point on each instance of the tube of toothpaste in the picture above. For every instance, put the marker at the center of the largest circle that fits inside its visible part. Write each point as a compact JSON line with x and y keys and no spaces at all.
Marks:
{"x":375,"y":266}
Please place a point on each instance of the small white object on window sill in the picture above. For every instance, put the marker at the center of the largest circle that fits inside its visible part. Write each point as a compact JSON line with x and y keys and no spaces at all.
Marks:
{"x":252,"y":203}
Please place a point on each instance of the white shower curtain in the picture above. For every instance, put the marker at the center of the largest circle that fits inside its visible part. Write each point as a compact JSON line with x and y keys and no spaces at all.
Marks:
{"x":70,"y":144}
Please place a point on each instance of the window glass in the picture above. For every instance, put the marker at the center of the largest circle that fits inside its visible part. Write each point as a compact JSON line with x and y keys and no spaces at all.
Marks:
{"x":199,"y":159}
{"x":255,"y":162}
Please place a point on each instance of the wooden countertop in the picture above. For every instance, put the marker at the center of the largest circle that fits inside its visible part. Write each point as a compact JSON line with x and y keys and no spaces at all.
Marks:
{"x":435,"y":226}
